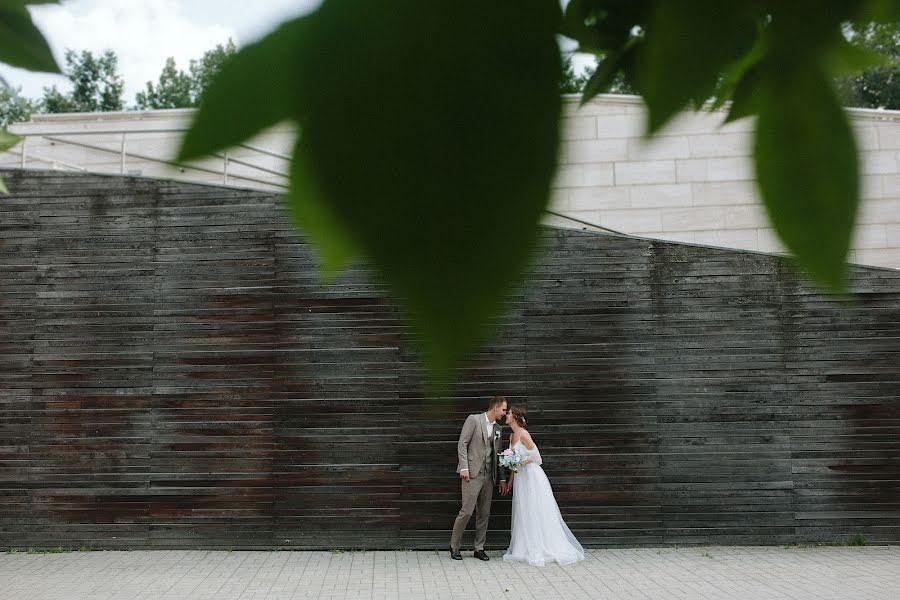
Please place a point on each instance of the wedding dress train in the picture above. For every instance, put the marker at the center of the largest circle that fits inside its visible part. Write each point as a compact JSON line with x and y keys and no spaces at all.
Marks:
{"x":539,"y":533}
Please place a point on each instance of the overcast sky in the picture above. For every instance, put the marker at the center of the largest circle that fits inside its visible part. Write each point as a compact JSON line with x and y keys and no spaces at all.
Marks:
{"x":143,"y":33}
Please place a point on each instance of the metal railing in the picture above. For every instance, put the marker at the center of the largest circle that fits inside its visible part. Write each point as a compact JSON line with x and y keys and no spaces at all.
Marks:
{"x":258,"y":174}
{"x":62,"y":137}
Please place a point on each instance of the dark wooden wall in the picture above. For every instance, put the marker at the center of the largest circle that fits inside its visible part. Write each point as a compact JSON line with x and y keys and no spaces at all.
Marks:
{"x":173,"y":375}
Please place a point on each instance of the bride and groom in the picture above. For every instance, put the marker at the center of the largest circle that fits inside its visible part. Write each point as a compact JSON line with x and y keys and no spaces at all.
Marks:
{"x":539,"y":533}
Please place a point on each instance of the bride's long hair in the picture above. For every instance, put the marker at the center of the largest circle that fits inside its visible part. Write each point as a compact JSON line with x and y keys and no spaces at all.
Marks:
{"x":519,"y":414}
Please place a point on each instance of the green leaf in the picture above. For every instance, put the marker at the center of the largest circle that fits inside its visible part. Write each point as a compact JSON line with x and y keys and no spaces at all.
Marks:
{"x":744,"y":100}
{"x":688,"y":45}
{"x":313,"y":215}
{"x":258,"y":88}
{"x":886,"y":11}
{"x":605,"y":73}
{"x":599,"y":25}
{"x":806,"y":166}
{"x":574,"y":26}
{"x":21,"y":43}
{"x":433,"y":139}
{"x":847,"y":59}
{"x":740,"y":72}
{"x":8,"y":140}
{"x":428,"y":142}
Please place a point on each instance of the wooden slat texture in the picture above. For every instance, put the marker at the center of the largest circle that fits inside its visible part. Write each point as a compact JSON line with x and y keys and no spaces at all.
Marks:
{"x":174,"y":375}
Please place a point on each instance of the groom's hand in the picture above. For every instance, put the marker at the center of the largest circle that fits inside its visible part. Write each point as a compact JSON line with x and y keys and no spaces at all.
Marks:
{"x":505,"y":489}
{"x":464,"y":474}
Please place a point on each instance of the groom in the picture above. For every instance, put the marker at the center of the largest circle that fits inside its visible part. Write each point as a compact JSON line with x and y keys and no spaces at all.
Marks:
{"x":478,"y":447}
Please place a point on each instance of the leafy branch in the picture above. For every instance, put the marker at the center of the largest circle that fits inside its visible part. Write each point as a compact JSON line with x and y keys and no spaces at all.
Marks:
{"x":429,"y":131}
{"x":22,"y":45}
{"x":429,"y":141}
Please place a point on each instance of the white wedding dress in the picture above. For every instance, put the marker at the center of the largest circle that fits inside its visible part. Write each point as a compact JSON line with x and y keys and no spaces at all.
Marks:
{"x":539,"y":533}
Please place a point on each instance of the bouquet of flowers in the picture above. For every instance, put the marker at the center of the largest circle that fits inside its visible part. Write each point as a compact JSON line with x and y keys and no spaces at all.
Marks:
{"x":511,"y":459}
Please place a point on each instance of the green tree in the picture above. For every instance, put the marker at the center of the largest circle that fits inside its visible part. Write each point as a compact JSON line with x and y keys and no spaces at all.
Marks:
{"x":14,"y":108}
{"x":55,"y":101}
{"x":177,"y":89}
{"x":877,"y":86}
{"x":97,"y":85}
{"x":173,"y":90}
{"x":205,"y":69}
{"x":572,"y":82}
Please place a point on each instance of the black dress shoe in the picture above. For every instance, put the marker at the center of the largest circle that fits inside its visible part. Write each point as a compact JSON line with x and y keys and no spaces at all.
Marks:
{"x":482,"y":555}
{"x":455,"y":555}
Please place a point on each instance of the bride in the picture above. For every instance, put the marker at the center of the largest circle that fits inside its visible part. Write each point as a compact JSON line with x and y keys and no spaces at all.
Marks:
{"x":539,"y":534}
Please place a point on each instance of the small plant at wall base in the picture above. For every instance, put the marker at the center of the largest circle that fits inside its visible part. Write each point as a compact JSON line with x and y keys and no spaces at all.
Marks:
{"x":430,"y":131}
{"x":857,"y":540}
{"x":56,"y":550}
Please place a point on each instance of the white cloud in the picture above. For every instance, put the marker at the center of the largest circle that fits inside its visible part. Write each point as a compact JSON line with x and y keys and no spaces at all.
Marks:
{"x":143,"y":33}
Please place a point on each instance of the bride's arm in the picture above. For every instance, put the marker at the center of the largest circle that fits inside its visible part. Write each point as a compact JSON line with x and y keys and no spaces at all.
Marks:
{"x":511,"y":472}
{"x":526,"y":439}
{"x":529,"y":445}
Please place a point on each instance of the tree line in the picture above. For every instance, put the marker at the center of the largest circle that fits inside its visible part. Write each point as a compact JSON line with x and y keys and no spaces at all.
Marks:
{"x":98,"y":86}
{"x":875,"y":87}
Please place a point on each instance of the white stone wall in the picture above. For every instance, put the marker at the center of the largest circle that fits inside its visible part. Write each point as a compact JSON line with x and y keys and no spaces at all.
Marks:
{"x":692,"y":183}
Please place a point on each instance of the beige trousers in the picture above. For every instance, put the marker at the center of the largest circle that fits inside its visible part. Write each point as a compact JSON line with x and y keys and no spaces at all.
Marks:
{"x":477,"y":494}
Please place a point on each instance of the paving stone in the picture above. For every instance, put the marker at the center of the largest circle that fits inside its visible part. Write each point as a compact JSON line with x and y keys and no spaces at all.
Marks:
{"x":709,"y":573}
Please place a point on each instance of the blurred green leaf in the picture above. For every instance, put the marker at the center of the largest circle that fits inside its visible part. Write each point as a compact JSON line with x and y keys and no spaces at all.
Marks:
{"x":885,"y":11}
{"x":741,"y":73}
{"x":806,"y":166}
{"x":743,"y":98}
{"x":847,"y":58}
{"x":8,"y":140}
{"x":574,"y":26}
{"x":605,"y":73}
{"x":21,"y":43}
{"x":264,"y":76}
{"x":428,"y":142}
{"x":429,"y":137}
{"x":433,"y":138}
{"x":313,"y":215}
{"x":603,"y":25}
{"x":688,"y":45}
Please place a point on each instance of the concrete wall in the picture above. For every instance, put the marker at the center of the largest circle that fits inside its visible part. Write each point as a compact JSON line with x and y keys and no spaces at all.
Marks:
{"x":694,"y":183}
{"x":173,"y":374}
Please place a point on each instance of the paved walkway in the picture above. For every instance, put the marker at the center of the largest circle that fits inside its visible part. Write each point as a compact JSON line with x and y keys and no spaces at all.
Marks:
{"x":692,"y":573}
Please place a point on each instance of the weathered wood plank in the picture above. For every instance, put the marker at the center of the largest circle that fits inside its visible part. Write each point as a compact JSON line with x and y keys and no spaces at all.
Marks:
{"x":172,"y":374}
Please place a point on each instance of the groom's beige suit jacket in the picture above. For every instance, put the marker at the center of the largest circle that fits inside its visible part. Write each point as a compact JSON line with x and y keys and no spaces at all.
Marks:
{"x":474,"y":445}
